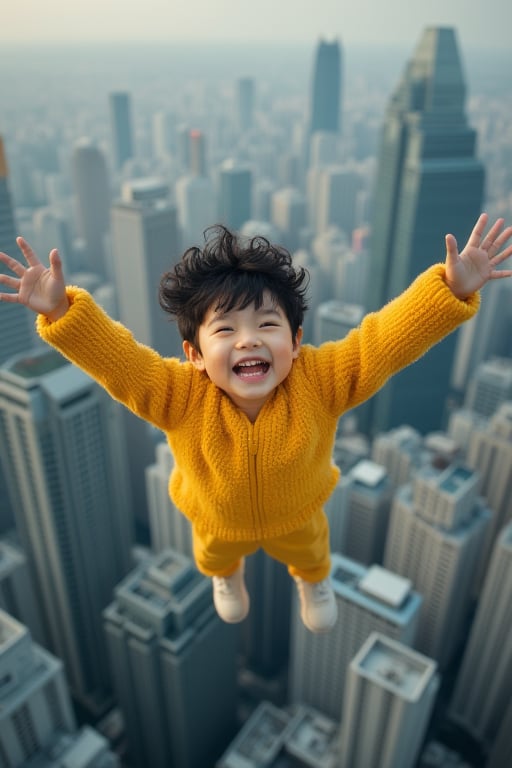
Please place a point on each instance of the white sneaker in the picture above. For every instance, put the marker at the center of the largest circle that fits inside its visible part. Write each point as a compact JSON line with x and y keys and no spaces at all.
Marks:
{"x":230,"y":596}
{"x":318,"y":609}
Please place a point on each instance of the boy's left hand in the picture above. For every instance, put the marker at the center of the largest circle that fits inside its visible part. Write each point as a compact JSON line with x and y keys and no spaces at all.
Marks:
{"x":469,"y":270}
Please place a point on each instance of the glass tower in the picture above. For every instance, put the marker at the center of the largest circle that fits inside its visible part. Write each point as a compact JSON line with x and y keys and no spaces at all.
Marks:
{"x":325,"y":103}
{"x":429,"y":182}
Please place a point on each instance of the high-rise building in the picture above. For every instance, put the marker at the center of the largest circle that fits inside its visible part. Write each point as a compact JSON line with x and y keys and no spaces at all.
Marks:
{"x":435,"y":537}
{"x":15,"y":321}
{"x":429,"y":182}
{"x":400,"y":451}
{"x":334,"y":319}
{"x":326,"y":91}
{"x":368,"y":512}
{"x":336,"y":201}
{"x":92,"y":198}
{"x":389,"y":696}
{"x":168,"y":527}
{"x":289,"y":215}
{"x":275,"y":738}
{"x":195,"y":201}
{"x":501,"y":749}
{"x":368,"y":600}
{"x":121,"y":128}
{"x":145,"y":239}
{"x":173,"y":663}
{"x":17,"y":593}
{"x":235,"y":190}
{"x":34,"y":700}
{"x":245,"y":103}
{"x":144,"y":246}
{"x":197,"y":152}
{"x":489,"y":386}
{"x":62,"y":444}
{"x":489,"y":452}
{"x":37,"y":724}
{"x":484,"y":682}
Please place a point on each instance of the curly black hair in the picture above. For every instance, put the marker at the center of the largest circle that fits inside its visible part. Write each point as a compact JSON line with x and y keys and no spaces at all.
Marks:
{"x":232,"y":272}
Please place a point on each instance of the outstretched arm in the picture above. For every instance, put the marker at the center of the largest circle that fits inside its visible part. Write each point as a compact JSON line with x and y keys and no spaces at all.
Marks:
{"x":41,"y":289}
{"x":469,"y":270}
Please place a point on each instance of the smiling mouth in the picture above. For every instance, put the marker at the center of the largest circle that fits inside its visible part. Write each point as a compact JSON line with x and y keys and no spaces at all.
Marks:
{"x":251,"y":369}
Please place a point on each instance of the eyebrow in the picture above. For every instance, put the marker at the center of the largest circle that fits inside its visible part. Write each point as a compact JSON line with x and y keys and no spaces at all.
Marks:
{"x":221,"y":316}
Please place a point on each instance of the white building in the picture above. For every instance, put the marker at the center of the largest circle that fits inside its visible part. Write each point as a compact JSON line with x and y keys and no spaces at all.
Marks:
{"x":368,"y":599}
{"x":435,"y":537}
{"x":389,"y":696}
{"x":484,"y":683}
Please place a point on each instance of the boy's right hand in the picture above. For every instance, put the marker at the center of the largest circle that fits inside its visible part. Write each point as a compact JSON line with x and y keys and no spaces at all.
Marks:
{"x":41,"y":289}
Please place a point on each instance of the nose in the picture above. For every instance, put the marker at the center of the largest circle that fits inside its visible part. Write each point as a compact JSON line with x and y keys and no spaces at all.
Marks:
{"x":248,"y":339}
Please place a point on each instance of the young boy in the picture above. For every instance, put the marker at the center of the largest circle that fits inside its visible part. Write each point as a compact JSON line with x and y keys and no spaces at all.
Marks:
{"x":251,"y":416}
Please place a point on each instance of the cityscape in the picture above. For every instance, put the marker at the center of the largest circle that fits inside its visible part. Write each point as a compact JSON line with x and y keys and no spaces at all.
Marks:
{"x":358,"y":161}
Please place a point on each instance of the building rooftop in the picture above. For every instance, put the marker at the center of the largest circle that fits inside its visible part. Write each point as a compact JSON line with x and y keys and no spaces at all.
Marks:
{"x":386,"y":586}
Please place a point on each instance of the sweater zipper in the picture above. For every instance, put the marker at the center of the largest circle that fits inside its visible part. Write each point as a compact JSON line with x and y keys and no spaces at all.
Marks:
{"x":253,"y":477}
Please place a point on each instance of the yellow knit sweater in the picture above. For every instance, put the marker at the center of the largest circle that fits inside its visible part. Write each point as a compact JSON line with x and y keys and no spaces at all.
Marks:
{"x":243,"y":481}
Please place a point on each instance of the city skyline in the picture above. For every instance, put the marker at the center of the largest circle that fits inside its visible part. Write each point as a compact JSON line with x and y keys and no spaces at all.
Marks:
{"x":392,"y":23}
{"x":200,"y":118}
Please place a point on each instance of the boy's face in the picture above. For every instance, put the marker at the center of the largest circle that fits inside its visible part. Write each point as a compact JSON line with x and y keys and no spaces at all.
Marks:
{"x":246,"y":352}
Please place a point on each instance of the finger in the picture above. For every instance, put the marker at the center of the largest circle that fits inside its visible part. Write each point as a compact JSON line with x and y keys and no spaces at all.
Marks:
{"x":9,"y":297}
{"x":478,"y":230}
{"x":13,"y":264}
{"x":10,"y":282}
{"x":27,"y":251}
{"x":499,"y":273}
{"x":505,"y":254}
{"x":492,"y":235}
{"x":56,"y":264}
{"x":452,"y":250}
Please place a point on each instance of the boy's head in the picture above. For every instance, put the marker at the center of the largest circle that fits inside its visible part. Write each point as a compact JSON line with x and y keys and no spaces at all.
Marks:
{"x":232,"y":273}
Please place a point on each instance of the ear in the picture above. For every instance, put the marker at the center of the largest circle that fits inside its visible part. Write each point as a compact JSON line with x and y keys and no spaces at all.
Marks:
{"x":193,"y":355}
{"x":297,"y":342}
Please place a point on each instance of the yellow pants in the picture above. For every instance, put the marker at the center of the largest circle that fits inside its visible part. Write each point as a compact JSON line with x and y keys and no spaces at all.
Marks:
{"x":306,"y":552}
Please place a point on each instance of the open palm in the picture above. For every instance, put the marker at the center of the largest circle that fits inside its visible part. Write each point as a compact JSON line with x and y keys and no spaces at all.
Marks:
{"x":469,"y":270}
{"x":40,"y":288}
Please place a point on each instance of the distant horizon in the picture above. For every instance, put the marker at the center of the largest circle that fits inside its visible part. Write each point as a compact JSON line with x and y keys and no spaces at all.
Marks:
{"x":395,"y":23}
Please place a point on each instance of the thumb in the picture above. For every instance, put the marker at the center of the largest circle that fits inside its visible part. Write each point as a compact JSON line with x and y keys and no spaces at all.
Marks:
{"x":452,"y":250}
{"x":56,"y":265}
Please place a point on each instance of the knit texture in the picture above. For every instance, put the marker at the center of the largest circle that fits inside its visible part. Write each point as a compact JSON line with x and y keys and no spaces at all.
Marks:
{"x":243,"y":481}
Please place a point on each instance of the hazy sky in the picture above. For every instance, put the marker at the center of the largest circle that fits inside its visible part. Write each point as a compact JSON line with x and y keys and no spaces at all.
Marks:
{"x":486,"y":24}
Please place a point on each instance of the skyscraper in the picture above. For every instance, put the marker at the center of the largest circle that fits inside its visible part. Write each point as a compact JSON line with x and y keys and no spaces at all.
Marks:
{"x":15,"y":321}
{"x":144,"y":246}
{"x":429,"y":182}
{"x":168,"y":527}
{"x":121,"y":128}
{"x":369,"y":600}
{"x":17,"y":593}
{"x":484,"y":682}
{"x":435,"y":537}
{"x":61,"y":441}
{"x":235,"y":189}
{"x":37,"y":724}
{"x":389,"y":696}
{"x":173,"y":663}
{"x":326,"y":91}
{"x":144,"y":234}
{"x":489,"y":386}
{"x":245,"y":103}
{"x":368,"y":512}
{"x":34,"y":700}
{"x":92,"y":193}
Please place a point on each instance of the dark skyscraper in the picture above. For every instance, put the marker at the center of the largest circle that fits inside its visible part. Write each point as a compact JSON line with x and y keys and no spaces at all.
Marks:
{"x":429,"y":182}
{"x":325,"y":103}
{"x":121,"y":128}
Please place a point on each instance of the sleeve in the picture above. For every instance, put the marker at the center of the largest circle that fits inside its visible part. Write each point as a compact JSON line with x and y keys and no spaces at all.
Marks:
{"x":349,"y":371}
{"x":153,"y":387}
